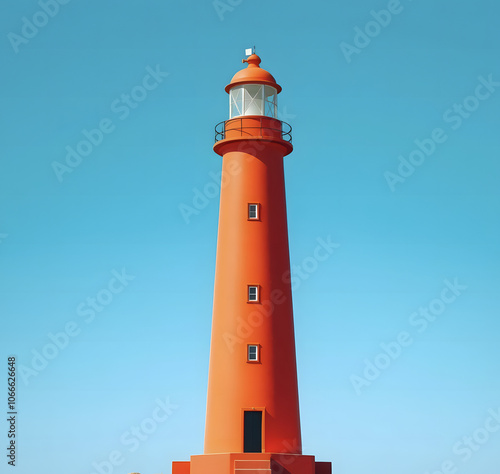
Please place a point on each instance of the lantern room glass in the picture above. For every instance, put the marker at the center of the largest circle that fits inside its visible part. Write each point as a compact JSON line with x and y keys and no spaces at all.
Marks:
{"x":253,"y":99}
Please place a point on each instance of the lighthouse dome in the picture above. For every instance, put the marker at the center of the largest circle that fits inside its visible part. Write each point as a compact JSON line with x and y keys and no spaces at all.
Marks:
{"x":253,"y":74}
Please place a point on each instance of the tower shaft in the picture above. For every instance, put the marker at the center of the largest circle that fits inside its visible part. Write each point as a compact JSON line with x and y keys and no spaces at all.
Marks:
{"x":252,"y":252}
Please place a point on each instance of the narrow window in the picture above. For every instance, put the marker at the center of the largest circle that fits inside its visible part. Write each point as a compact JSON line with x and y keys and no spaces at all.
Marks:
{"x":253,"y":211}
{"x":253,"y":294}
{"x":253,"y":353}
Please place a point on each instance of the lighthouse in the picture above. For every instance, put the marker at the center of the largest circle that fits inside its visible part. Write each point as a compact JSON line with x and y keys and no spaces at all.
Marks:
{"x":252,"y":418}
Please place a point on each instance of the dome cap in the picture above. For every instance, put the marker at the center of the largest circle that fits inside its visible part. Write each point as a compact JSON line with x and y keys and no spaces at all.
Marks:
{"x":253,"y":74}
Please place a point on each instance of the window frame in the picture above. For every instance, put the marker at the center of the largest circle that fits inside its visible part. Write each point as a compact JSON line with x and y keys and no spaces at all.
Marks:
{"x":257,"y":353}
{"x":257,"y":293}
{"x":257,"y":211}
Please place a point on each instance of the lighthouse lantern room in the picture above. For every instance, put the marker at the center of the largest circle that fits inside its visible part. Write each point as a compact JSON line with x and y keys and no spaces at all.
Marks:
{"x":253,"y":99}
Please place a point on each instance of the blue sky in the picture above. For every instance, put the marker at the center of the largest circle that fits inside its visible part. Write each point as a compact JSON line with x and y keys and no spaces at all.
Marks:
{"x":395,"y":126}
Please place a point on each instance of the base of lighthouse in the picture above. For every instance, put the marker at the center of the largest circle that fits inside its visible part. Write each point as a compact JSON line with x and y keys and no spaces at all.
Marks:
{"x":252,"y":463}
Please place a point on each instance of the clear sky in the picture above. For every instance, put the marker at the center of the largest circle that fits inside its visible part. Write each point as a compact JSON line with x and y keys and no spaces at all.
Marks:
{"x":106,"y":281}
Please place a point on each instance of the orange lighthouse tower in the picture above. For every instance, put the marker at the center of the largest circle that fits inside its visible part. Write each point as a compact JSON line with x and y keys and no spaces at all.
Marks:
{"x":252,"y":420}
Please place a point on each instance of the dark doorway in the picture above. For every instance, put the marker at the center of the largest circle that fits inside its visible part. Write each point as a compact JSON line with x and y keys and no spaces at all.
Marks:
{"x":252,"y":432}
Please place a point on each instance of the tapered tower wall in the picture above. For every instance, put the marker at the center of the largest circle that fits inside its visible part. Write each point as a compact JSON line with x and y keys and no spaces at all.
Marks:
{"x":252,"y":252}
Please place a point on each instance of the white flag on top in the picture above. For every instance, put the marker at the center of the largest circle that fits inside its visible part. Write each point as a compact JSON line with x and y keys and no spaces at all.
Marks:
{"x":248,"y":51}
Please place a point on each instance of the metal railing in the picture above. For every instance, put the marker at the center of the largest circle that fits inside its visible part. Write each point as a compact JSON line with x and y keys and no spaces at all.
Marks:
{"x":285,"y":131}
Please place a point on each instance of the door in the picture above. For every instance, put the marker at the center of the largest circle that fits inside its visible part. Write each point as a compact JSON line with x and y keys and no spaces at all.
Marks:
{"x":252,"y":432}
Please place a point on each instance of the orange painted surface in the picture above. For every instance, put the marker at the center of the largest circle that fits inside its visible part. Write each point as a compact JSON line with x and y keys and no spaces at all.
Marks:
{"x":212,"y":464}
{"x":233,"y":463}
{"x":181,"y":467}
{"x":252,"y":252}
{"x":323,"y":468}
{"x":253,"y":74}
{"x":247,"y":463}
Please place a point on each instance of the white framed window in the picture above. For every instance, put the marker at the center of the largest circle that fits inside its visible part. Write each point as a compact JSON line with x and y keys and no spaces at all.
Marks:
{"x":270,"y":102}
{"x":253,"y":353}
{"x":253,"y":212}
{"x":235,"y":102}
{"x":253,"y":294}
{"x":253,"y":99}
